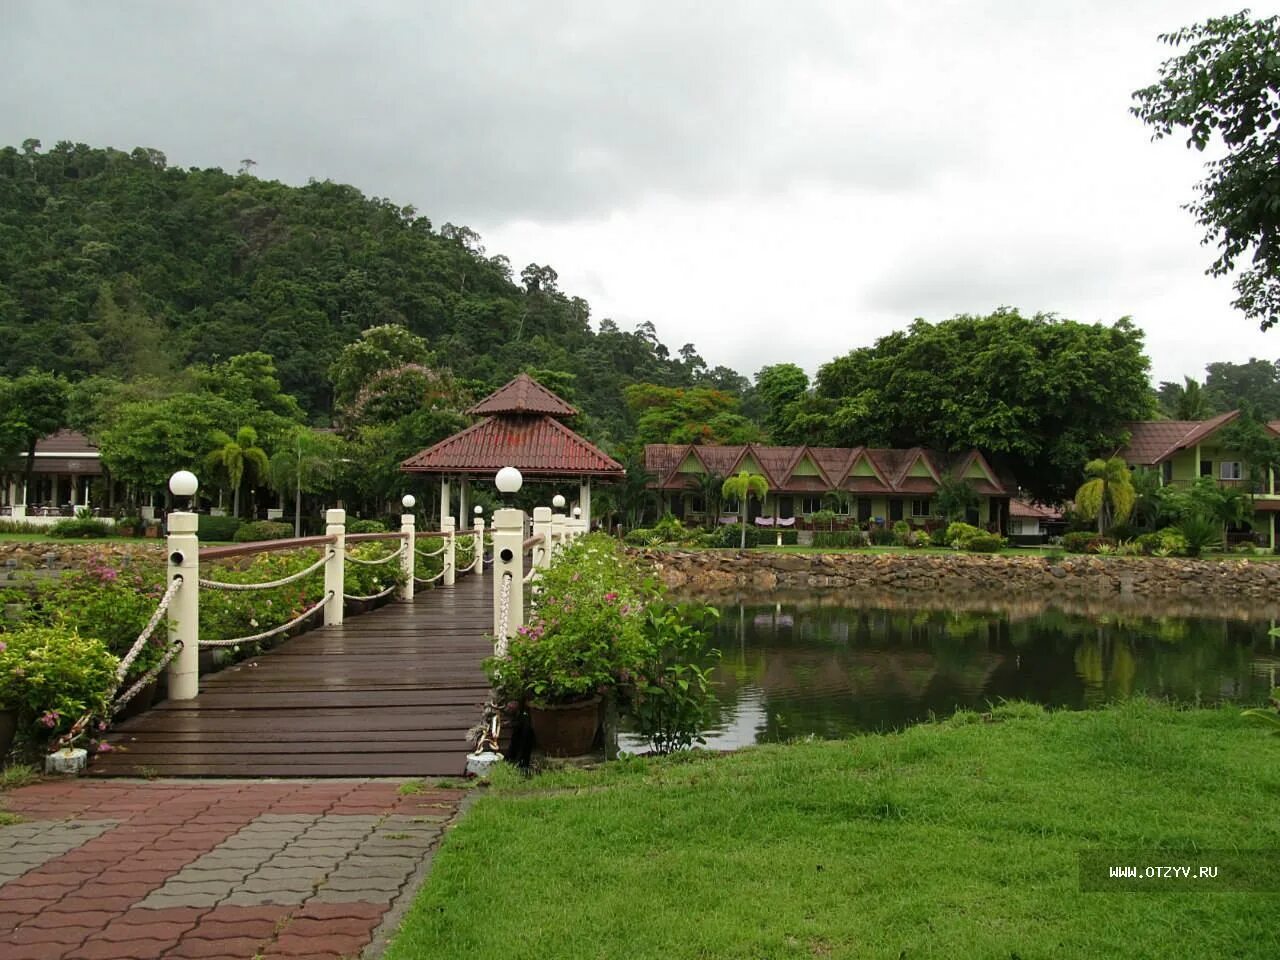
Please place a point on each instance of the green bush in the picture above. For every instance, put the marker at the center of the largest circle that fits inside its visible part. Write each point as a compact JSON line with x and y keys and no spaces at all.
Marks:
{"x":80,"y":528}
{"x":730,"y":535}
{"x":365,"y":580}
{"x":52,"y":676}
{"x":822,"y":518}
{"x":21,"y":526}
{"x":1084,"y":541}
{"x":880,"y":536}
{"x":960,"y":534}
{"x":839,"y":539}
{"x":641,"y":537}
{"x":257,"y":530}
{"x":366,"y":526}
{"x":1200,"y":533}
{"x":939,"y":537}
{"x":984,"y":543}
{"x":218,"y":528}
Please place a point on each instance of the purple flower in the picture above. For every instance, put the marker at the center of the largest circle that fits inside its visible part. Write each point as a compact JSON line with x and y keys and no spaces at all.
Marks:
{"x":50,"y":718}
{"x":610,"y":597}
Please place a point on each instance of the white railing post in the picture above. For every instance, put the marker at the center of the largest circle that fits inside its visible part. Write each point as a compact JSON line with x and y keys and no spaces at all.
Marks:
{"x":542,"y":528}
{"x":407,"y":537}
{"x":450,"y":554}
{"x":336,"y":527}
{"x":184,"y":609}
{"x":508,"y":561}
{"x":477,"y":556}
{"x":558,"y":531}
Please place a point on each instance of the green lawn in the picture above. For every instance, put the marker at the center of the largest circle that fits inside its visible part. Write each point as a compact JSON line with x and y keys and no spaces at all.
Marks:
{"x":957,"y":839}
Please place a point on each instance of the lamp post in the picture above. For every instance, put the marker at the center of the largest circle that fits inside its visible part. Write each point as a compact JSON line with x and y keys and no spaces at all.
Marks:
{"x":408,"y":556}
{"x":508,"y":481}
{"x":508,"y":550}
{"x":184,"y":609}
{"x":183,"y":485}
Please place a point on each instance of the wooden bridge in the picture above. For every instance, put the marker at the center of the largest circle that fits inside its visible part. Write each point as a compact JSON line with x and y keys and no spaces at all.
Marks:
{"x":392,"y":692}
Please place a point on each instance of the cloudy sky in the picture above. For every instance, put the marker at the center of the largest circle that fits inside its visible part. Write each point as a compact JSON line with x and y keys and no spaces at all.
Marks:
{"x":771,"y":181}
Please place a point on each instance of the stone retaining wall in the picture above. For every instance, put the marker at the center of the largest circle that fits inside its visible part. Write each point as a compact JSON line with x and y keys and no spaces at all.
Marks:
{"x":708,"y":572}
{"x":23,"y":555}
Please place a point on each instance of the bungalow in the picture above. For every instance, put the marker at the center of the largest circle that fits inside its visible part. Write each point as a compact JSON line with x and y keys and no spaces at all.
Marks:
{"x":860,"y":484}
{"x":1184,"y":450}
{"x":67,"y":464}
{"x":1031,"y":522}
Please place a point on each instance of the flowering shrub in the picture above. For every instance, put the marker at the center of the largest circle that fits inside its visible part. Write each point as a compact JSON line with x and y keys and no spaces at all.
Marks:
{"x":363,"y":580}
{"x":52,"y":676}
{"x":600,"y":627}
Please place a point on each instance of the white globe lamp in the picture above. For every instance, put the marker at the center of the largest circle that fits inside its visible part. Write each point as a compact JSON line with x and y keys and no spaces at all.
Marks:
{"x":508,"y":480}
{"x":478,"y":511}
{"x":558,"y":501}
{"x":184,"y":485}
{"x":408,"y":501}
{"x":577,"y":511}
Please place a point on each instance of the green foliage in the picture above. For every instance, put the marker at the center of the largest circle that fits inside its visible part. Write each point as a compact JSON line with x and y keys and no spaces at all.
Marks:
{"x":839,"y":539}
{"x":1039,"y":393}
{"x":257,"y":530}
{"x":238,"y":461}
{"x":954,"y":497}
{"x":1086,"y":541}
{"x":1224,"y":86}
{"x":52,"y":676}
{"x":742,"y":488}
{"x":365,"y":580}
{"x":984,"y":543}
{"x":1200,"y":533}
{"x":586,"y":636}
{"x":780,"y":388}
{"x":901,"y":530}
{"x":1269,"y":717}
{"x":80,"y":528}
{"x":1107,"y":495}
{"x":960,"y":534}
{"x":671,"y":699}
{"x":225,"y":614}
{"x":32,"y":407}
{"x":687,"y":415}
{"x":217,"y":528}
{"x":366,"y":526}
{"x":749,"y":535}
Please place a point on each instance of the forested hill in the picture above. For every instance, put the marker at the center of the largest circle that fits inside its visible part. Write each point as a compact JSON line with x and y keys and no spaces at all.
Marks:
{"x":117,"y":264}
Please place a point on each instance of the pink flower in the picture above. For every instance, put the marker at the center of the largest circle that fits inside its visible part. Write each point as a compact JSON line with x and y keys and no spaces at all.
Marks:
{"x":610,"y":597}
{"x":50,"y":718}
{"x":105,"y":747}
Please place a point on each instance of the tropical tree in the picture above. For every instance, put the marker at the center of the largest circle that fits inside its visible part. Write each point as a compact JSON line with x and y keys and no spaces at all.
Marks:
{"x":302,"y":465}
{"x":955,"y":497}
{"x":742,"y":487}
{"x":1107,"y":494}
{"x":32,"y":406}
{"x":709,"y":486}
{"x":1225,"y":85}
{"x":238,"y":460}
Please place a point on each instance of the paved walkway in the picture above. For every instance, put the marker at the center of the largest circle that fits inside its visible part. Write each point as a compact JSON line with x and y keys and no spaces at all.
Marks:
{"x":134,"y":870}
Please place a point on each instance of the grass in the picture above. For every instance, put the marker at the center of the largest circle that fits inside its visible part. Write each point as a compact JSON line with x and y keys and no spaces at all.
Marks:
{"x":955,"y":839}
{"x":18,"y":775}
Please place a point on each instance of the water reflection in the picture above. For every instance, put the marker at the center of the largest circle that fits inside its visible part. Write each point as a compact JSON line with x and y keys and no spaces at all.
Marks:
{"x":793,"y":670}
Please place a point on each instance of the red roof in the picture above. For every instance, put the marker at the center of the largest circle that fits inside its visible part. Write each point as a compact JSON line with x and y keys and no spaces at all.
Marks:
{"x":1033,"y":511}
{"x":533,"y":445}
{"x":523,"y":395}
{"x":662,"y":462}
{"x":1151,"y":441}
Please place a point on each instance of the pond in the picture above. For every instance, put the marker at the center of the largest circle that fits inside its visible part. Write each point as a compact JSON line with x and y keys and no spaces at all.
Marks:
{"x":801,"y":669}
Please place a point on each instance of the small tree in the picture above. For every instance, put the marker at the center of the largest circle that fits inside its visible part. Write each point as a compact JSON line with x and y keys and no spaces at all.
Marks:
{"x":238,"y":460}
{"x":708,"y":486}
{"x":955,"y":497}
{"x":744,"y":486}
{"x":32,"y":406}
{"x":1107,"y":494}
{"x":301,"y":465}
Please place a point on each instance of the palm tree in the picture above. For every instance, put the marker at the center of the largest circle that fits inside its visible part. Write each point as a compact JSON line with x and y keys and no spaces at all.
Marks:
{"x":300,"y":465}
{"x":743,"y":487}
{"x":708,"y":486}
{"x":238,"y":460}
{"x":1107,"y":494}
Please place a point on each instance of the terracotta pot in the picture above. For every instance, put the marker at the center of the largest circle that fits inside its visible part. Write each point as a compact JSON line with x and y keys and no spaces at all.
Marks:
{"x":8,"y":730}
{"x":565,"y":729}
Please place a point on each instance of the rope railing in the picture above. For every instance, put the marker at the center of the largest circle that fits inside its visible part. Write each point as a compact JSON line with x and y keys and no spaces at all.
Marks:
{"x":373,"y":563}
{"x":430,"y":553}
{"x":504,"y":616}
{"x":264,"y":546}
{"x":122,"y":669}
{"x":372,"y":596}
{"x":270,"y":584}
{"x":254,"y":638}
{"x":426,"y":580}
{"x":123,"y":699}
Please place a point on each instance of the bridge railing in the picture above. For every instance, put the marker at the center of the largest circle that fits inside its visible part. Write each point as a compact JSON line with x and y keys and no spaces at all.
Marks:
{"x":185,"y":583}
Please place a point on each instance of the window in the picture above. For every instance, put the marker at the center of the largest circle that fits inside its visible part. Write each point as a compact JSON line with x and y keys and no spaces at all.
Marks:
{"x":920,"y":508}
{"x":1206,"y":468}
{"x":895,"y":510}
{"x":864,"y":509}
{"x":1166,"y":472}
{"x":810,"y":505}
{"x":1015,"y":527}
{"x":1229,"y":470}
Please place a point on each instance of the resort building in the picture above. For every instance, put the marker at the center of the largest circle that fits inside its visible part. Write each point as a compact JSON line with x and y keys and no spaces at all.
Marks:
{"x":859,"y":484}
{"x":67,"y":464}
{"x":1185,"y":450}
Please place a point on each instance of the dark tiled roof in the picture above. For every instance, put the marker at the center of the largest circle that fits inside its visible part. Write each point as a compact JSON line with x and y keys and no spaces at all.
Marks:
{"x":1151,"y":441}
{"x":523,"y":395}
{"x":662,"y":460}
{"x":67,"y":442}
{"x":1035,"y":511}
{"x":534,"y":445}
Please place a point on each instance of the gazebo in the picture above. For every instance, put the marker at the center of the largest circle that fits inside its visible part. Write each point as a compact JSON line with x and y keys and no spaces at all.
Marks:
{"x":521,"y":428}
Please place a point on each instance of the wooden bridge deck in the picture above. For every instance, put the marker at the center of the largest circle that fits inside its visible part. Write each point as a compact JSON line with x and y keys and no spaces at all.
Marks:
{"x":390,"y":693}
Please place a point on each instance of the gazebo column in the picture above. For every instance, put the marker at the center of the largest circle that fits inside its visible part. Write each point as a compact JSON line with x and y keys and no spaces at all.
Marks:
{"x":445,"y":498}
{"x":584,"y":500}
{"x":74,"y":491}
{"x":464,"y":487}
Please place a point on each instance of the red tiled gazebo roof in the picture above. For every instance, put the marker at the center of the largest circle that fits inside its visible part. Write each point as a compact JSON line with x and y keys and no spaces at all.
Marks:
{"x":523,"y":395}
{"x":522,"y":432}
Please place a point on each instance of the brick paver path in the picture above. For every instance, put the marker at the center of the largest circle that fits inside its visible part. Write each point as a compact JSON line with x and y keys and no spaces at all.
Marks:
{"x":121,"y":869}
